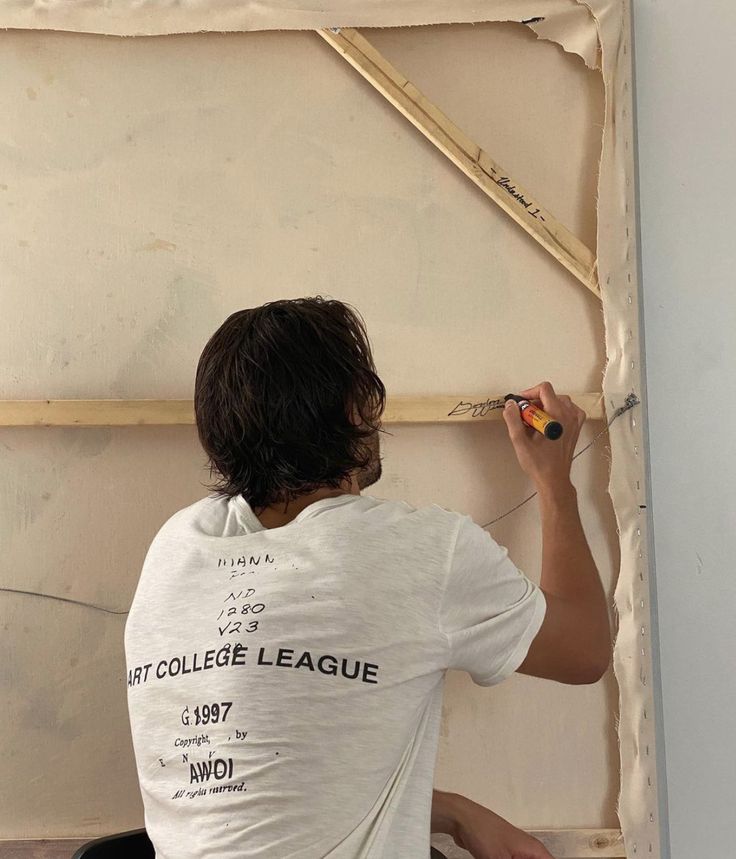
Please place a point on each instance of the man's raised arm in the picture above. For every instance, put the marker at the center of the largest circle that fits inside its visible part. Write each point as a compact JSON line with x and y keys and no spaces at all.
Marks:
{"x":573,"y":644}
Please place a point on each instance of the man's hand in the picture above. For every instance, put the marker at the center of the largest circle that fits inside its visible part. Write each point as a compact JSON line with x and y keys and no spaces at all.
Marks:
{"x":482,"y":833}
{"x":546,"y":462}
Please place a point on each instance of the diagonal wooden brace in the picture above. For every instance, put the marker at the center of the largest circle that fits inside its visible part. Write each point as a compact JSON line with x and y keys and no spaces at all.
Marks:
{"x":476,"y":164}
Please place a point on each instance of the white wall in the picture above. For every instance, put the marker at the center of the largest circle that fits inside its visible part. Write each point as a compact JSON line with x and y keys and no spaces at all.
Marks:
{"x":686,"y":108}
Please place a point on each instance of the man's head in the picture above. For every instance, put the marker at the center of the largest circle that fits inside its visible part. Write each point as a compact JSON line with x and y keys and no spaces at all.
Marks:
{"x":287,"y":401}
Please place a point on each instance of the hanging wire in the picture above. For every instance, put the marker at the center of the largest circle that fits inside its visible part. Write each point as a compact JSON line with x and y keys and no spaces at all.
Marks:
{"x":63,"y":599}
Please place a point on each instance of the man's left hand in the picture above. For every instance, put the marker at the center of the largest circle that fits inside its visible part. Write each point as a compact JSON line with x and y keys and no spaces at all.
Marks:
{"x":480,"y":831}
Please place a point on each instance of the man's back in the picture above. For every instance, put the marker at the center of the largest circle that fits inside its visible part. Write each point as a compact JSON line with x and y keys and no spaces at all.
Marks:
{"x":285,"y":684}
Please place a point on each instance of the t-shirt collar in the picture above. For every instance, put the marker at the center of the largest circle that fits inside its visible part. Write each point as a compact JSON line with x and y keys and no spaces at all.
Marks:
{"x":253,"y":523}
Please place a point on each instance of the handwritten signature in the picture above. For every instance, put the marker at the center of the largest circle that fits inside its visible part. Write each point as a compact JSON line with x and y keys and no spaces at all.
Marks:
{"x":477,"y":410}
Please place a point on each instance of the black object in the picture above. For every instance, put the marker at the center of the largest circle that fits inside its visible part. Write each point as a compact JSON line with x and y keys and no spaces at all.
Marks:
{"x":125,"y":845}
{"x":434,"y":853}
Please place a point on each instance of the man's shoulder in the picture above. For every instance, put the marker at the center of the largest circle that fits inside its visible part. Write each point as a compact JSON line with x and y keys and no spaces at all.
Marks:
{"x":399,"y":510}
{"x":187,"y":517}
{"x":210,"y":516}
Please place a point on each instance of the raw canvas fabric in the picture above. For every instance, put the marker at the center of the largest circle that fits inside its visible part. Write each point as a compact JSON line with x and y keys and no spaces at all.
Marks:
{"x":571,"y":24}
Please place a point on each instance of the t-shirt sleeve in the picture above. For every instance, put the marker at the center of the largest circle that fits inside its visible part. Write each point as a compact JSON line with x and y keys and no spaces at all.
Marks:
{"x":490,"y":611}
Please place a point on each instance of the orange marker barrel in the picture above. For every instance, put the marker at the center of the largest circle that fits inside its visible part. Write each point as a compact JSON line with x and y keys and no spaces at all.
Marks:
{"x":537,"y":418}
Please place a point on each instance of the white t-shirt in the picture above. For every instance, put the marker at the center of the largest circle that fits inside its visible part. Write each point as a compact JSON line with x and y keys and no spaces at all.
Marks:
{"x":285,"y":684}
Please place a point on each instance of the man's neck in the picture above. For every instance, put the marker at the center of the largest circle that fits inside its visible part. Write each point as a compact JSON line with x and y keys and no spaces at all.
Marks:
{"x":277,"y":515}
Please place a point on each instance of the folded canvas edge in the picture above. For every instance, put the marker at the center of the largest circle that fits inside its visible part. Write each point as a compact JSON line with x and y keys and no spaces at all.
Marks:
{"x":564,"y":21}
{"x":638,"y":804}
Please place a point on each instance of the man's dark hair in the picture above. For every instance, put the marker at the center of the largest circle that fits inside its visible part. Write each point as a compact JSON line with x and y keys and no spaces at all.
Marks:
{"x":274,"y":394}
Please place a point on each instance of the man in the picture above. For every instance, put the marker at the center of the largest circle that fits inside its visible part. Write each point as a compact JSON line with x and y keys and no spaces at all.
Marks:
{"x":289,"y":636}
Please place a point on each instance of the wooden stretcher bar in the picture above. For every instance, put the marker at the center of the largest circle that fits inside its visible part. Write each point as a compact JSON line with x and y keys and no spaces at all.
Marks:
{"x":447,"y":408}
{"x":562,"y":843}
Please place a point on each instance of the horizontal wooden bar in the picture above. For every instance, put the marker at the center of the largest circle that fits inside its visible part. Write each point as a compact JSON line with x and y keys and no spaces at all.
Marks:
{"x":562,"y":843}
{"x":444,"y":408}
{"x":583,"y":843}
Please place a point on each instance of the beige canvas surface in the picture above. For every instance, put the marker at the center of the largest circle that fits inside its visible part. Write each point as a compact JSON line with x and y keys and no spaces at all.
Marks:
{"x":155,"y":185}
